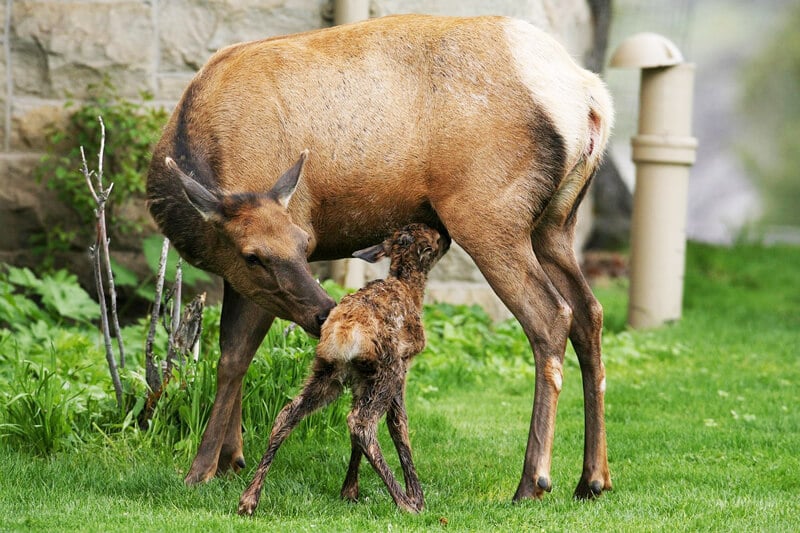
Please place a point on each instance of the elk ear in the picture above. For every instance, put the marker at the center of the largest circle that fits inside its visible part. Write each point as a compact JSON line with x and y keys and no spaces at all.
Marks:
{"x":371,"y":254}
{"x":206,"y":202}
{"x":283,"y":190}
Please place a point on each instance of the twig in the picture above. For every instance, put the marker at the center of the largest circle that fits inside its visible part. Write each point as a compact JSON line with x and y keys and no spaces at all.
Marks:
{"x":94,"y":253}
{"x":102,"y":233}
{"x":152,"y":375}
{"x":175,"y":319}
{"x":100,"y":254}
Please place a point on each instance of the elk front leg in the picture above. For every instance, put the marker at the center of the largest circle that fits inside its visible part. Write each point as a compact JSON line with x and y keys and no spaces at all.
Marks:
{"x":320,"y":389}
{"x":242,"y":329}
{"x":562,"y":267}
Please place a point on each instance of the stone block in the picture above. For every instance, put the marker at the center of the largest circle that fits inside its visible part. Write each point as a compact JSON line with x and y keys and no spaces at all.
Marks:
{"x":464,"y":293}
{"x":26,"y":205}
{"x":30,"y":121}
{"x":191,"y":30}
{"x":58,"y":48}
{"x":170,"y":86}
{"x":3,"y":96}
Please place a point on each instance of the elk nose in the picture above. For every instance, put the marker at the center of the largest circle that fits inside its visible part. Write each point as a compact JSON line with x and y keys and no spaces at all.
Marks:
{"x":321,"y":318}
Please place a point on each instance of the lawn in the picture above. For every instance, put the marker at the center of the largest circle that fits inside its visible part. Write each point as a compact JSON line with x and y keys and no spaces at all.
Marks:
{"x":702,"y":423}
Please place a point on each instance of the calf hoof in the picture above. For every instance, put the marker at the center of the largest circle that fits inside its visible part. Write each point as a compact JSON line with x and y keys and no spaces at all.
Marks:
{"x":247,"y":505}
{"x":409,"y":506}
{"x":350,"y":493}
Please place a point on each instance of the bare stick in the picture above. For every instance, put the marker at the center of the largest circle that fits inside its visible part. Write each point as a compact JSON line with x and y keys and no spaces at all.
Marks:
{"x":175,"y":320}
{"x":151,"y":371}
{"x":94,"y":253}
{"x":100,"y":199}
{"x":99,"y":253}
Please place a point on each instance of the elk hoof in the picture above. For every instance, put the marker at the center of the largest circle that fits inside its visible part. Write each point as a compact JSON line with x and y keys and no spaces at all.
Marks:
{"x":196,"y":478}
{"x":240,"y":462}
{"x":588,"y":490}
{"x":544,"y":483}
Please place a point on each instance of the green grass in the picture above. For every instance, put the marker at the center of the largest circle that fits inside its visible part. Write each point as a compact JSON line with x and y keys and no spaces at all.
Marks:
{"x":702,"y":420}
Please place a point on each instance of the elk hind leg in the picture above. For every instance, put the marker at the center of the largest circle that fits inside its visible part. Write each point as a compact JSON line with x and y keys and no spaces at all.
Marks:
{"x":553,"y":246}
{"x":514,"y":273}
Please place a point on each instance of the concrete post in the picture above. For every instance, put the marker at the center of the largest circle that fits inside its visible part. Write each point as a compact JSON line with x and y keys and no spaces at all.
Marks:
{"x":663,"y":151}
{"x":347,"y":11}
{"x":349,"y":272}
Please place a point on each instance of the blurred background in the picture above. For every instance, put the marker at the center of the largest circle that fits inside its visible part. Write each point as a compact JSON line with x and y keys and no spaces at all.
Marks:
{"x":746,"y":181}
{"x":66,"y":62}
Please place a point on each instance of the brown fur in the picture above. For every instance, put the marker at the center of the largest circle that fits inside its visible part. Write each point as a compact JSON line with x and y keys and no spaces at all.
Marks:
{"x":483,"y":128}
{"x":368,"y":343}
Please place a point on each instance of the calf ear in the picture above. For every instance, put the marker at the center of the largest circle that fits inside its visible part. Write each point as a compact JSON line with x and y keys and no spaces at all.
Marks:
{"x":371,"y":254}
{"x":204,"y":201}
{"x":283,"y":190}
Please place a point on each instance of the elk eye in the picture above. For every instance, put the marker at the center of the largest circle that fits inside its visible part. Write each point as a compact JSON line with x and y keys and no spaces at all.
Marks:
{"x":253,"y":260}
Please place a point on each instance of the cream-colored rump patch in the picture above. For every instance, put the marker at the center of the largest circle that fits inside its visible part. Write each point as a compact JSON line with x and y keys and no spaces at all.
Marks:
{"x":346,"y":343}
{"x":556,"y":82}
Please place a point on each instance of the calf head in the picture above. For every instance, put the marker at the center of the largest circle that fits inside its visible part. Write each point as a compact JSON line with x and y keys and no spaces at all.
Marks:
{"x":266,"y":257}
{"x":415,"y":247}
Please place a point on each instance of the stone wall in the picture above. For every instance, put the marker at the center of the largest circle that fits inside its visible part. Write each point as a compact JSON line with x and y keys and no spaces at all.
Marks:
{"x":51,"y":51}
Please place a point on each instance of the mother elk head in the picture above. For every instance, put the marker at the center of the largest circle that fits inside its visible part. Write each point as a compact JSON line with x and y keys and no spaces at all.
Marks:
{"x":266,"y":256}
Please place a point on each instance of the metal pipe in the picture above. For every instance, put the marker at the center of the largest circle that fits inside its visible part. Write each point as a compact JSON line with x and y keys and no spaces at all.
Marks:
{"x":663,"y":151}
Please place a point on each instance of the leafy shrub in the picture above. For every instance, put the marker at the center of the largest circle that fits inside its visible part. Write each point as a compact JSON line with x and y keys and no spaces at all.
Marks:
{"x":53,"y":298}
{"x":132,"y":128}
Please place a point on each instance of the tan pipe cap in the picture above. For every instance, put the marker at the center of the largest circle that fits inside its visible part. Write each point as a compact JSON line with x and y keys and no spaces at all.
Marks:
{"x":646,"y":50}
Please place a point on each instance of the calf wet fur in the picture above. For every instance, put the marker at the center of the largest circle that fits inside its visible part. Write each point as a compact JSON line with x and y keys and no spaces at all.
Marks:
{"x":367,"y":343}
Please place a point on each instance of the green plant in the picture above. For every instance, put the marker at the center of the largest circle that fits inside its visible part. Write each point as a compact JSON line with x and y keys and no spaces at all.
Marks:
{"x":38,"y":411}
{"x":53,"y":298}
{"x":132,"y":129}
{"x":771,"y":140}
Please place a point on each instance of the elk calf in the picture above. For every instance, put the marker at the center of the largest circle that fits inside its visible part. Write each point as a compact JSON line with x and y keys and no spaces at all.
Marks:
{"x":367,"y":343}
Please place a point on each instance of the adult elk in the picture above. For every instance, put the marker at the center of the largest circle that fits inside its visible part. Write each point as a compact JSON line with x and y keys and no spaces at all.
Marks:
{"x":483,"y":128}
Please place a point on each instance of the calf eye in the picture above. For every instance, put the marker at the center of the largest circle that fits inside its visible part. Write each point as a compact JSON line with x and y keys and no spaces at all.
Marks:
{"x":252,"y":260}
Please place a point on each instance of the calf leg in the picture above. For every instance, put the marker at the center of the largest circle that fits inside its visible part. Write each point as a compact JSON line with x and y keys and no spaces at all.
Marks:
{"x":554,"y":249}
{"x":350,"y":486}
{"x":242,"y":328}
{"x":320,"y":389}
{"x":363,"y":424}
{"x":397,"y":422}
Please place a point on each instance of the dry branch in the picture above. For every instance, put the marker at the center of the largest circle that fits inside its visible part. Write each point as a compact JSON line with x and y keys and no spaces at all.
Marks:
{"x":101,"y":260}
